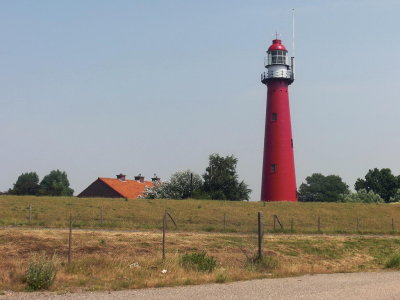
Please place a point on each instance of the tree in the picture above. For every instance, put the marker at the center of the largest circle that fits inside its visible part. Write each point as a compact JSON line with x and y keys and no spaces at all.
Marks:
{"x":320,"y":188}
{"x":185,"y":183}
{"x":27,"y":184}
{"x":56,"y":184}
{"x":221,"y":180}
{"x":362,"y":196}
{"x":395,"y":197}
{"x":182,"y":185}
{"x":381,"y":182}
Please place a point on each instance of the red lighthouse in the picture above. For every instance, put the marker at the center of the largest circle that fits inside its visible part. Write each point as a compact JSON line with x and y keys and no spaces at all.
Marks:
{"x":278,"y":177}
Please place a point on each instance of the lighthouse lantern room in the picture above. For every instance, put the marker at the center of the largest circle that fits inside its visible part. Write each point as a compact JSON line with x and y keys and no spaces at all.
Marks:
{"x":277,"y":63}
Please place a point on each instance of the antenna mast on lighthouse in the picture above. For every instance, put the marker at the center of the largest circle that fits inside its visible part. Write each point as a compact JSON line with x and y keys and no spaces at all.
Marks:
{"x":293,"y":49}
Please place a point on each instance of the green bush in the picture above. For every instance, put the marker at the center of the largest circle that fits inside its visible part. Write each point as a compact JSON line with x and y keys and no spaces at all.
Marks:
{"x":198,"y":261}
{"x":393,"y":262}
{"x":40,"y":274}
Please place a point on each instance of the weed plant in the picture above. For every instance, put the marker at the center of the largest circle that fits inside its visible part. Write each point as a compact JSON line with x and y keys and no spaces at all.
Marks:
{"x":221,"y":276}
{"x":393,"y":262}
{"x":40,"y":274}
{"x":264,"y":264}
{"x":198,"y":261}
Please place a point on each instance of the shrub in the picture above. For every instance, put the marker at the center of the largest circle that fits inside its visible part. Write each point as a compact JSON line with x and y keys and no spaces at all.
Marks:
{"x":393,"y":262}
{"x":198,"y":261}
{"x":40,"y":273}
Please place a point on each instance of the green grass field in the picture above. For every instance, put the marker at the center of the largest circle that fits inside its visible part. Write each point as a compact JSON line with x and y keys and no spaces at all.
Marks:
{"x":198,"y":215}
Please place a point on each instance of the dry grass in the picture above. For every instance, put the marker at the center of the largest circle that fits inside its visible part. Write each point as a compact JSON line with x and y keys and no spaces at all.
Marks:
{"x":197,"y":215}
{"x":106,"y":260}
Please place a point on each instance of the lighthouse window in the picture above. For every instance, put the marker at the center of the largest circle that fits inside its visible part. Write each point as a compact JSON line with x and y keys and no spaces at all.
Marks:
{"x":274,"y":117}
{"x":278,"y":52}
{"x":273,"y":168}
{"x":277,"y":57}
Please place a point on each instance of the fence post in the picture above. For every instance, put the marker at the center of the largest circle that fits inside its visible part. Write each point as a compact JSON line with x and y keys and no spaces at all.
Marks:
{"x":224,"y":221}
{"x":30,"y":214}
{"x":163,"y":233}
{"x":260,"y":234}
{"x":319,"y":224}
{"x":166,"y":214}
{"x":70,"y":239}
{"x":191,"y":185}
{"x":274,"y":222}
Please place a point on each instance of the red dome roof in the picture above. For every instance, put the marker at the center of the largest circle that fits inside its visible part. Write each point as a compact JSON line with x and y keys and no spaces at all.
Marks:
{"x":277,"y":45}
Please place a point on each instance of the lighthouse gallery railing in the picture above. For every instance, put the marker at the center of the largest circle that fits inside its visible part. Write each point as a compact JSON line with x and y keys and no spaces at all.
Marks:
{"x":287,"y":74}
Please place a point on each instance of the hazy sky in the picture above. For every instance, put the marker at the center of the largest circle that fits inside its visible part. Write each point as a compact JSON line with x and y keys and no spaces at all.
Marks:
{"x":96,"y":88}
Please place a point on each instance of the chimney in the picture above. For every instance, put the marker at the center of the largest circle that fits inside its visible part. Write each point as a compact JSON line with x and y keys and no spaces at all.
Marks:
{"x":155,"y":178}
{"x":121,"y":177}
{"x":139,"y":178}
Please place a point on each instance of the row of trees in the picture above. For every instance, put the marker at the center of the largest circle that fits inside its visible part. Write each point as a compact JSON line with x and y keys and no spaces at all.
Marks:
{"x":378,"y":186}
{"x":54,"y":184}
{"x":219,"y":182}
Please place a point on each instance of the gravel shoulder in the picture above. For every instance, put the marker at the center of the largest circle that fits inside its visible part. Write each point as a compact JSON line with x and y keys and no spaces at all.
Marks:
{"x":374,"y":285}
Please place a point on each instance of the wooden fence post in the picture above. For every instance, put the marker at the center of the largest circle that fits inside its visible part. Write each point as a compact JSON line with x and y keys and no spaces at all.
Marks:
{"x":224,"y":221}
{"x":70,"y":239}
{"x":166,"y":214}
{"x":260,"y":234}
{"x":191,"y":185}
{"x":30,"y":214}
{"x":276,"y":220}
{"x":163,"y":233}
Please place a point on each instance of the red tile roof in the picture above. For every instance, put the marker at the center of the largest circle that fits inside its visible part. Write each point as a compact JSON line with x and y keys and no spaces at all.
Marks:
{"x":130,"y":189}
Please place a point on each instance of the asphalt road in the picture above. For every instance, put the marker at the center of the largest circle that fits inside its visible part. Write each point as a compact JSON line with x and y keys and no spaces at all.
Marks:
{"x":379,"y":285}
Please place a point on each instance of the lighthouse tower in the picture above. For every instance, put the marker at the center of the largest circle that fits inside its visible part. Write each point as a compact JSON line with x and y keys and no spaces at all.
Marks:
{"x":278,"y":174}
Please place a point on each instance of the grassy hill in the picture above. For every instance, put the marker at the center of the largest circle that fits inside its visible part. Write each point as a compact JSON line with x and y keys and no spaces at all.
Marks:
{"x":198,"y":215}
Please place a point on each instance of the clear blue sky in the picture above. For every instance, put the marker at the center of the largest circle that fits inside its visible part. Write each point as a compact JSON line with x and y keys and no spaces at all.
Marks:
{"x":96,"y":88}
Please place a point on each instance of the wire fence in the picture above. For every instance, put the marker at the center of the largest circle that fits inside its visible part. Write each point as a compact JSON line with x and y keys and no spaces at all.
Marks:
{"x":99,"y":218}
